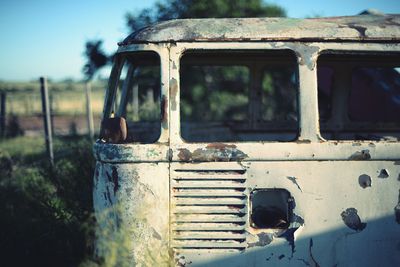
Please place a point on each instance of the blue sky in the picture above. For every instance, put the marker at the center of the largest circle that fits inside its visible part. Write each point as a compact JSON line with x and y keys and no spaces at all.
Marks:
{"x":46,"y":37}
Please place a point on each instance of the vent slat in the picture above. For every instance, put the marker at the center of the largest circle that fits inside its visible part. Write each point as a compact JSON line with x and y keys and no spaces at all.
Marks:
{"x":209,"y":210}
{"x":208,"y":227}
{"x":208,"y":244}
{"x":207,"y":176}
{"x":209,"y":201}
{"x":208,"y":218}
{"x":208,"y":184}
{"x":214,"y":250}
{"x":234,"y":209}
{"x":208,"y":193}
{"x":184,"y":235}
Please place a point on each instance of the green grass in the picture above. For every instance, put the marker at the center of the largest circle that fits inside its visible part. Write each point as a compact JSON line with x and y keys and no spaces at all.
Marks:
{"x":46,"y":213}
{"x":23,"y":146}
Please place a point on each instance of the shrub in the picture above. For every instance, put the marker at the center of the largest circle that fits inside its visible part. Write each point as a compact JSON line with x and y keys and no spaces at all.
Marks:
{"x":46,"y":213}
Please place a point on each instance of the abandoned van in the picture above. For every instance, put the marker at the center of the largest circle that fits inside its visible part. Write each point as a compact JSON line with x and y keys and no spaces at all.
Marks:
{"x":252,"y":142}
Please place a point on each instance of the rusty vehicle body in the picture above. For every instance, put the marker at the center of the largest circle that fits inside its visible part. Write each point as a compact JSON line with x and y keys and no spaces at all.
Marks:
{"x":318,"y":185}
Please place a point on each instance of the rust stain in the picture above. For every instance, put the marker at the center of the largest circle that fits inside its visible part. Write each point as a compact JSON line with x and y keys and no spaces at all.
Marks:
{"x":294,"y":180}
{"x":173,"y":83}
{"x":212,"y":152}
{"x":115,"y":179}
{"x":264,"y":239}
{"x":361,"y":155}
{"x":289,"y":236}
{"x":365,"y":181}
{"x":303,"y":141}
{"x":164,"y":112}
{"x":361,"y":30}
{"x":109,"y":178}
{"x":383,"y":174}
{"x":352,"y":220}
{"x":96,"y":175}
{"x":184,"y":154}
{"x":108,"y":194}
{"x":220,"y":146}
{"x":170,"y":154}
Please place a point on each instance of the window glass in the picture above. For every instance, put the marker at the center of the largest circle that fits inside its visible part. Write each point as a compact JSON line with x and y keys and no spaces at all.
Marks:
{"x":359,"y":96}
{"x":238,"y":96}
{"x":138,"y":97}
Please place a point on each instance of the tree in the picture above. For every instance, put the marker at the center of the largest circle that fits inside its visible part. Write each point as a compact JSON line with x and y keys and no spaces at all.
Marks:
{"x":96,"y":58}
{"x":179,"y":9}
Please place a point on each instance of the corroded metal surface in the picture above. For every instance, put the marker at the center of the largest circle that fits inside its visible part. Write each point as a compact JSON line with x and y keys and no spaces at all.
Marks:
{"x":130,"y":203}
{"x":335,"y":221}
{"x":365,"y":27}
{"x":189,"y":204}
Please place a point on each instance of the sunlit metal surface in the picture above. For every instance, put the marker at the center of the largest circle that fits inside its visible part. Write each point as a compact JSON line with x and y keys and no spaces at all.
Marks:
{"x":189,"y":204}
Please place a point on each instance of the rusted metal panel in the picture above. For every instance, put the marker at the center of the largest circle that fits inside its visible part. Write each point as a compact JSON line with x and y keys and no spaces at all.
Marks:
{"x":352,"y":28}
{"x":322,"y":150}
{"x":350,"y":222}
{"x":105,"y":152}
{"x":195,"y":200}
{"x":130,"y":202}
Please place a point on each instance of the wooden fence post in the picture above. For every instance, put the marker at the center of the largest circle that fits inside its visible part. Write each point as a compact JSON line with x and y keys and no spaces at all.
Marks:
{"x":46,"y":119}
{"x":89,"y":113}
{"x":3,"y":114}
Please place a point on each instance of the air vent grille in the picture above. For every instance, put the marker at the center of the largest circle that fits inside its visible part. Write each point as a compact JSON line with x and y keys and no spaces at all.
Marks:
{"x":209,"y":210}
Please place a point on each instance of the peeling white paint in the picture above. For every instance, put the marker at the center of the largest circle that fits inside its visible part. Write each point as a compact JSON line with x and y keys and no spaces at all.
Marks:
{"x":188,"y":204}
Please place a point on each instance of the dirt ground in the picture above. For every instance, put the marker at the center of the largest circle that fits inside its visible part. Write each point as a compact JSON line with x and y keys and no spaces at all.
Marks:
{"x":62,"y":125}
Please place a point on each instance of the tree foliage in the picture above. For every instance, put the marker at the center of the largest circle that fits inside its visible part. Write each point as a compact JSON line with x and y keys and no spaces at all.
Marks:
{"x":180,"y":9}
{"x":96,"y":58}
{"x":45,"y":223}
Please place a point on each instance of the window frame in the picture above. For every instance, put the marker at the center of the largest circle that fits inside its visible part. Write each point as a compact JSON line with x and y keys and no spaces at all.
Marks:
{"x":250,"y":62}
{"x":340,"y":108}
{"x":113,"y":86}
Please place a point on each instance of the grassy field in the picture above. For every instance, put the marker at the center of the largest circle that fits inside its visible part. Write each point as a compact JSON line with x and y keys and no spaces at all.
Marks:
{"x":23,"y":98}
{"x":46,"y":213}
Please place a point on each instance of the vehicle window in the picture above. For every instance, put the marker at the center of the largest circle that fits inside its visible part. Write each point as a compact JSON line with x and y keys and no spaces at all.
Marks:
{"x":359,"y":96}
{"x":238,"y":96}
{"x":138,"y":97}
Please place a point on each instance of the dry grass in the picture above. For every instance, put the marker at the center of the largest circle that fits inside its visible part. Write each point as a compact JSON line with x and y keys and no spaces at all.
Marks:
{"x":23,"y":98}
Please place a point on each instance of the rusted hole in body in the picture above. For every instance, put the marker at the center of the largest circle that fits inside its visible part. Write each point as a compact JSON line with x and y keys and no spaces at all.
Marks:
{"x":365,"y":181}
{"x":270,"y":209}
{"x":383,"y":174}
{"x":352,"y":220}
{"x":361,"y":155}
